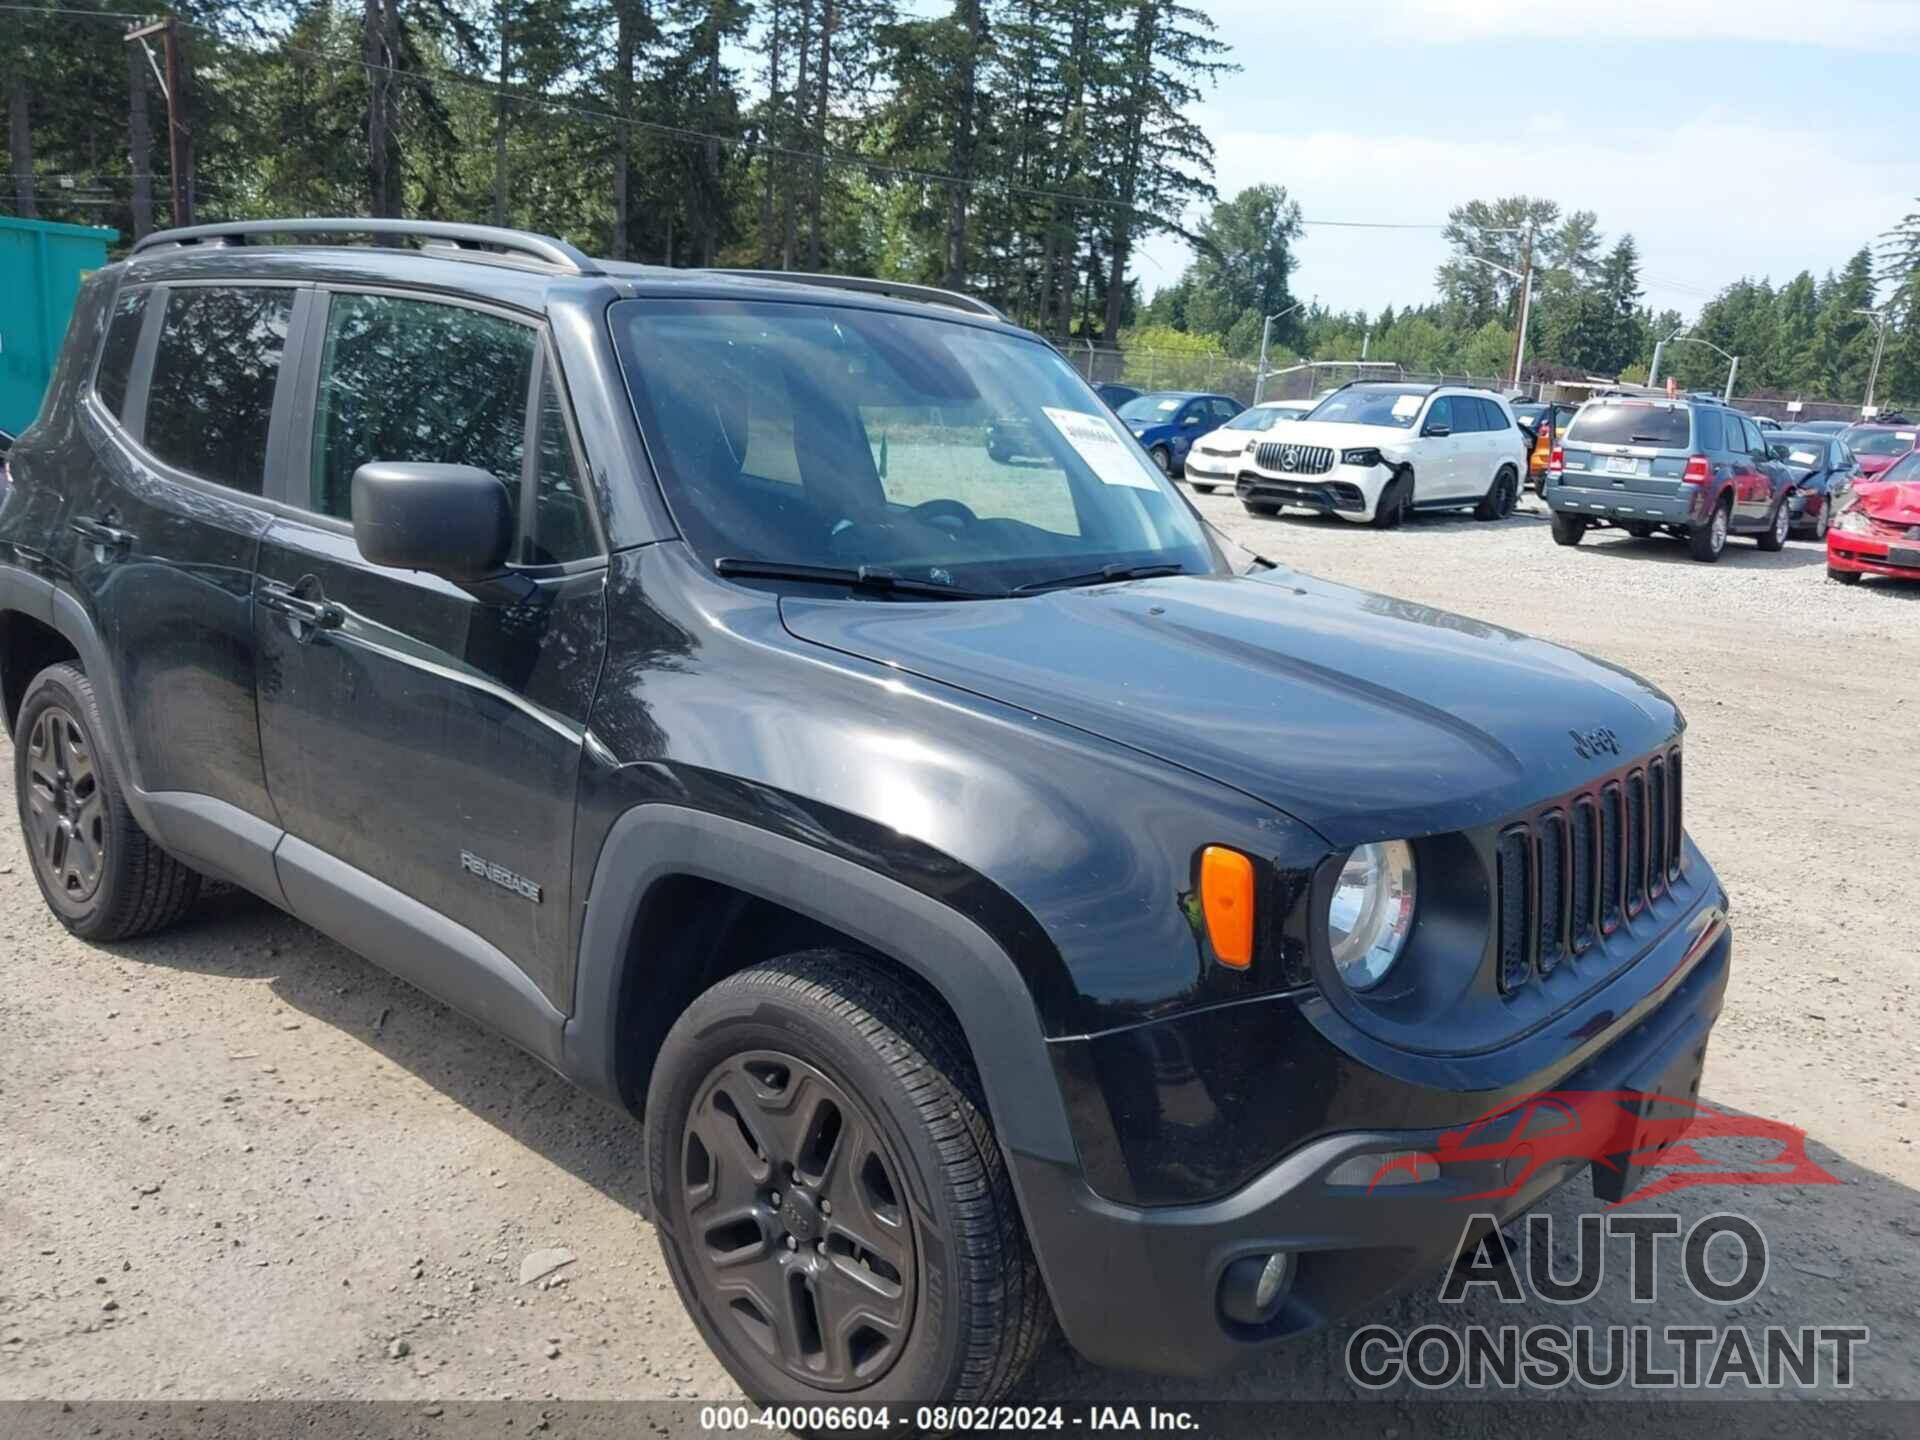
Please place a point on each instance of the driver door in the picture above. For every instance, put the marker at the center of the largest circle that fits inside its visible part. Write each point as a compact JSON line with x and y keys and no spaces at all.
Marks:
{"x":1436,"y":465}
{"x":422,"y":739}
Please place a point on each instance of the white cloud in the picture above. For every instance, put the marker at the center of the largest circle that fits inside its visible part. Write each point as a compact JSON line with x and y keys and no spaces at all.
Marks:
{"x":1708,"y":199}
{"x":1832,"y":24}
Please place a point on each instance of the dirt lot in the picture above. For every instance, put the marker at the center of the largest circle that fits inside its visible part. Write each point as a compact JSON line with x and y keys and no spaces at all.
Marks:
{"x":240,"y":1162}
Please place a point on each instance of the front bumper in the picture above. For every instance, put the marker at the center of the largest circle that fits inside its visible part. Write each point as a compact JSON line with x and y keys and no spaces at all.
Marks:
{"x":1597,"y":503}
{"x":1871,"y":555}
{"x":1212,"y":469}
{"x":1139,"y":1288}
{"x":1346,"y":490}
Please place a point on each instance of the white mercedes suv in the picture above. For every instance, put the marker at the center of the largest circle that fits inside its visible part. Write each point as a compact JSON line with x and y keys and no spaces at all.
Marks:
{"x":1376,"y":452}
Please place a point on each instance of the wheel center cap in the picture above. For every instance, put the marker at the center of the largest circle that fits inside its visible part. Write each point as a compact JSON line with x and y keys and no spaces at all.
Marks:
{"x":801,"y":1216}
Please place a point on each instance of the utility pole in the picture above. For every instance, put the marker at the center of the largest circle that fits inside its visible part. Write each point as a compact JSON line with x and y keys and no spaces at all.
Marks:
{"x":1653,"y":371}
{"x":1266,"y":333}
{"x":1879,"y":319}
{"x":1526,"y":299}
{"x":168,"y":30}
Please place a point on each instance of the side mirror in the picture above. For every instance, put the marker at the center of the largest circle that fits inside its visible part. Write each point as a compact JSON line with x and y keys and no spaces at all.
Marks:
{"x":1778,"y":452}
{"x":1191,"y":420}
{"x":1438,"y":432}
{"x":450,"y":520}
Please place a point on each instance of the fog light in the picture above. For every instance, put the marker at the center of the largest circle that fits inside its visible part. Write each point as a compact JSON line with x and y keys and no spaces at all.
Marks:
{"x":1252,"y":1288}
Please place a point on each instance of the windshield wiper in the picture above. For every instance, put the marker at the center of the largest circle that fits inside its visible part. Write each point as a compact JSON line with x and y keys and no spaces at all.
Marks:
{"x":860,"y":577}
{"x":1102,"y":577}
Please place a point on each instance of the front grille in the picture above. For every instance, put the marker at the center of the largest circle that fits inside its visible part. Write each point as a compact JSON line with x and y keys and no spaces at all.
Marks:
{"x":1892,"y":529}
{"x":1572,"y":871}
{"x":1287,"y":459}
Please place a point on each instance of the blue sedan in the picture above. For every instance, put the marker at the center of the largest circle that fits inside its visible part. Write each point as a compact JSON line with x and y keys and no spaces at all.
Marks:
{"x":1167,"y":422}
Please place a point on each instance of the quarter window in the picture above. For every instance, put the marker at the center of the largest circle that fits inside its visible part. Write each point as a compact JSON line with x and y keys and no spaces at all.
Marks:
{"x":561,"y":527}
{"x":414,"y":380}
{"x":116,"y":352}
{"x":210,"y":400}
{"x":1711,"y":435}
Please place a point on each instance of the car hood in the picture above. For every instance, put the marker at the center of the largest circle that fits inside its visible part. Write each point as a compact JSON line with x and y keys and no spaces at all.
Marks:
{"x":1364,"y":716}
{"x":1339,"y":435}
{"x":1874,"y":464}
{"x":1898,"y":503}
{"x":1224,"y":439}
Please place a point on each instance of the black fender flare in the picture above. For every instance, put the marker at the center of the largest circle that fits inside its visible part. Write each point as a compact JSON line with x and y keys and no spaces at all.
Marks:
{"x":656,"y":842}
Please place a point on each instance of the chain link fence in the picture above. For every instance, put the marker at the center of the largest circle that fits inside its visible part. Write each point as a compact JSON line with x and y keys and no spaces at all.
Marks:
{"x":1286,"y":379}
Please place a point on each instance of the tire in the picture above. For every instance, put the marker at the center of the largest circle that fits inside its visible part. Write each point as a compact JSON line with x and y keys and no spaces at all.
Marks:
{"x":1265,"y":508}
{"x":1501,"y":496}
{"x":1163,"y":458}
{"x":999,"y":454}
{"x":1845,"y":577}
{"x":1779,"y":525}
{"x":768,"y":1062}
{"x":99,"y":872}
{"x":1638,"y":529}
{"x":1568,"y":529}
{"x":1391,"y":512}
{"x":1202,"y":489}
{"x":1709,"y":542}
{"x":1822,"y":522}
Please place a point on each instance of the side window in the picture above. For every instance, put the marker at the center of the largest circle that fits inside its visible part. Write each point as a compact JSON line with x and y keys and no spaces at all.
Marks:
{"x":1223,"y":411}
{"x":1712,"y":436}
{"x":417,"y":380}
{"x":116,"y":351}
{"x":211,"y":395}
{"x":1754,"y":440}
{"x":1440,"y":414}
{"x":1491,"y":418}
{"x":561,"y":526}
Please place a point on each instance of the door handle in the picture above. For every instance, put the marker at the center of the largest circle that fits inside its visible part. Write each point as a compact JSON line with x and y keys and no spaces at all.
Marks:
{"x":108,"y":536}
{"x":33,"y":559}
{"x":303,"y":604}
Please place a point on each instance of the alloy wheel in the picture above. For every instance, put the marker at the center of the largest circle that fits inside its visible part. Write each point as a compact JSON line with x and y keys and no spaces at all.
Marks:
{"x":1719,"y":529}
{"x":798,"y":1221}
{"x":66,"y":811}
{"x":1782,"y":524}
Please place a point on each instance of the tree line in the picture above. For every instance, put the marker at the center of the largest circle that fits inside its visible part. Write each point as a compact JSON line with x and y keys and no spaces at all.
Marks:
{"x":1020,"y":150}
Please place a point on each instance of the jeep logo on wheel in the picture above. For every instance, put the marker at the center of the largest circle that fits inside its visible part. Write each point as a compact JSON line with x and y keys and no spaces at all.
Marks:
{"x":1589,"y":743}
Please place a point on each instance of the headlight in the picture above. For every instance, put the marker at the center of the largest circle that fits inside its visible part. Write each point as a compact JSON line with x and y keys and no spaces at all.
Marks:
{"x":1853,"y":521}
{"x":1360,"y":457}
{"x":1370,"y":913}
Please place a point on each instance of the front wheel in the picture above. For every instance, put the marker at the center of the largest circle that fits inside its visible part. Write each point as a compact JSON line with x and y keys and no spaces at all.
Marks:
{"x":1709,"y":541}
{"x":1261,"y":507}
{"x":1844,"y":577}
{"x":1163,"y":458}
{"x":830,"y":1198}
{"x":1568,"y":529}
{"x":1395,"y":500}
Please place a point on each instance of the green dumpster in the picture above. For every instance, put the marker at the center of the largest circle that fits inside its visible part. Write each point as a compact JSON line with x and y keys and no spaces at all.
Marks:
{"x":41,"y":267}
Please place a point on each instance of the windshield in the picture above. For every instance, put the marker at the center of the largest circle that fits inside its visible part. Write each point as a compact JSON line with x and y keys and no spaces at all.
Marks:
{"x":1864,"y":441}
{"x":1905,"y":471}
{"x":1153,"y":409}
{"x":1259,"y":418}
{"x":1394,"y":405}
{"x":797,"y":434}
{"x":1633,"y":423}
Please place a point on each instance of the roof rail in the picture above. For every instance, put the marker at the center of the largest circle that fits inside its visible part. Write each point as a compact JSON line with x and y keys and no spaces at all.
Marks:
{"x":897,"y":289}
{"x":544,"y":248}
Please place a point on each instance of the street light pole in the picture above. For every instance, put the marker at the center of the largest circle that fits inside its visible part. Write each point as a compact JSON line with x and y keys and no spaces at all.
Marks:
{"x":1266,"y":334}
{"x":1879,"y":319}
{"x":1526,"y":294}
{"x":1653,"y":371}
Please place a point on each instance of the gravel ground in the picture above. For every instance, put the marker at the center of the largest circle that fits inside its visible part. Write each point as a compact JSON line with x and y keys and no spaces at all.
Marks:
{"x":243,"y":1163}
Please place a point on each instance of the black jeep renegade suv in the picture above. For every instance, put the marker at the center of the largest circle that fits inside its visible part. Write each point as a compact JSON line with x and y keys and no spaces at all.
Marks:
{"x":999,"y":909}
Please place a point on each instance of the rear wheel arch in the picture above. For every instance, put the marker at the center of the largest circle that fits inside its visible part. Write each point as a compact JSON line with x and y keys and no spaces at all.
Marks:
{"x":28,"y":645}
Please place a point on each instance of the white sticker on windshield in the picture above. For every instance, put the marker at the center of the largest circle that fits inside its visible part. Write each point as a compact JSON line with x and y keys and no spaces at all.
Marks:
{"x":1906,"y":435}
{"x":1175,"y":405}
{"x":1106,"y":454}
{"x":1804,"y":457}
{"x":1405,"y":407}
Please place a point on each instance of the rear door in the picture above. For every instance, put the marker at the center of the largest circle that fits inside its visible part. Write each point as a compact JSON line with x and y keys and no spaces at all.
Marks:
{"x":422,"y":740}
{"x":189,"y":409}
{"x":1756,"y":480}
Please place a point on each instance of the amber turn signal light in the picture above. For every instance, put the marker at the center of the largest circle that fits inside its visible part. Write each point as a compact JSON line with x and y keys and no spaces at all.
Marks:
{"x":1226,"y":898}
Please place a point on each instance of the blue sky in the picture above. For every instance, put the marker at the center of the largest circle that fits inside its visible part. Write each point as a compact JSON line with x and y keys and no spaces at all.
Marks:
{"x":1732,"y":137}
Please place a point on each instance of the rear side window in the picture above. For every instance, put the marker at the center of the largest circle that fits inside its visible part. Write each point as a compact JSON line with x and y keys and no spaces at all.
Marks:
{"x":1663,"y":425}
{"x":1490,"y":416}
{"x":417,"y":380}
{"x":1712,"y":436}
{"x":116,"y":351}
{"x":210,"y":399}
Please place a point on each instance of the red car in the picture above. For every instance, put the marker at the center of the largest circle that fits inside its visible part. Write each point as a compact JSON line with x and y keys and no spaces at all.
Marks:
{"x":1876,"y":526}
{"x":1879,"y":445}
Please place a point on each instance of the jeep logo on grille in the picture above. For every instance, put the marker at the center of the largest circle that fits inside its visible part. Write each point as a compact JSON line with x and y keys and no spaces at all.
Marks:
{"x":1589,"y":743}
